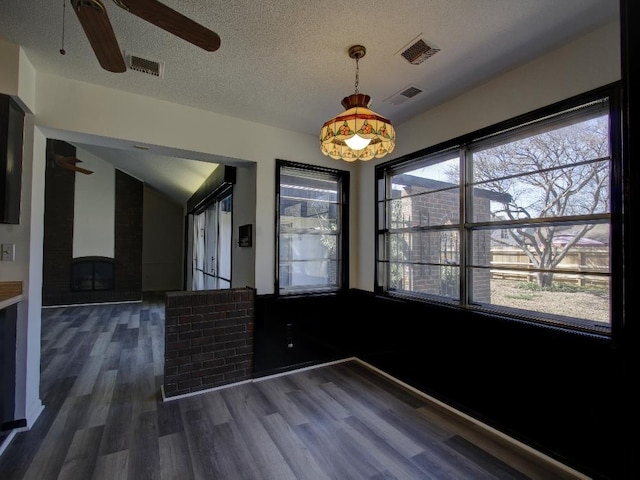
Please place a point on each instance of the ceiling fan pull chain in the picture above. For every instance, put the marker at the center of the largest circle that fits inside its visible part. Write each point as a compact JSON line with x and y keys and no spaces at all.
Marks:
{"x":64,"y":8}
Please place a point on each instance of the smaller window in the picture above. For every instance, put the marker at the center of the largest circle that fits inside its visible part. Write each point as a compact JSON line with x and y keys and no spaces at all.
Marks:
{"x":311,"y":229}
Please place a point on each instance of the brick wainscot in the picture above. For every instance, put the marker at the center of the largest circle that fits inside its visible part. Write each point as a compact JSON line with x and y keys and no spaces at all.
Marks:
{"x":208,"y":339}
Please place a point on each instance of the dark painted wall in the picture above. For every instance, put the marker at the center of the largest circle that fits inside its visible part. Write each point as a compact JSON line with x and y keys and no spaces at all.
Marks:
{"x":128,"y":236}
{"x":8,"y":316}
{"x":629,"y":339}
{"x":11,"y":134}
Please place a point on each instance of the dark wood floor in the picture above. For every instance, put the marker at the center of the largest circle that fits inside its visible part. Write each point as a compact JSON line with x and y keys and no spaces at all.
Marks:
{"x":104,"y":418}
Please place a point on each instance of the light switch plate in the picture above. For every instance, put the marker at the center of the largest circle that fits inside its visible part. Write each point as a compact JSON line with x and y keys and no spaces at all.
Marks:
{"x":8,"y":252}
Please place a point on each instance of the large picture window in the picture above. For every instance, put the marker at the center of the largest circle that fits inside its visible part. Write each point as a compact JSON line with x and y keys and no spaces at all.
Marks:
{"x":516,"y":220}
{"x":311,"y":229}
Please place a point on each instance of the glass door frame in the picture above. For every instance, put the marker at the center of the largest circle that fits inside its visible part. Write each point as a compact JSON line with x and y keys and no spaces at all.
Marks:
{"x":212,"y":253}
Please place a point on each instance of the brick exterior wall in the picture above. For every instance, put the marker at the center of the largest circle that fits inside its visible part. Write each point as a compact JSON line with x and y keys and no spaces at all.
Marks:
{"x":481,"y":245}
{"x":208,"y":339}
{"x":437,"y":208}
{"x":442,"y":208}
{"x":58,"y":236}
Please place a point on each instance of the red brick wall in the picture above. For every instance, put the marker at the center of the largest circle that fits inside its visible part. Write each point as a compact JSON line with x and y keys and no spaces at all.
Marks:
{"x":442,"y":208}
{"x":208,"y":339}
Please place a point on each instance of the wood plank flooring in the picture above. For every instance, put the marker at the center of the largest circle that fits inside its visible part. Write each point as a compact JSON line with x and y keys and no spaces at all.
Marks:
{"x":104,"y":418}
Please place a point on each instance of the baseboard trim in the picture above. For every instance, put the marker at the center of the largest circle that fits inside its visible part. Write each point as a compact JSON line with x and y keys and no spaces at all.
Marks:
{"x":242,"y":382}
{"x":34,"y":413}
{"x":7,"y":440}
{"x":91,"y":304}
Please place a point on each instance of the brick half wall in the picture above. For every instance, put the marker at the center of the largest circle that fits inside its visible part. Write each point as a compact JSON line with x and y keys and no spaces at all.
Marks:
{"x":208,"y":339}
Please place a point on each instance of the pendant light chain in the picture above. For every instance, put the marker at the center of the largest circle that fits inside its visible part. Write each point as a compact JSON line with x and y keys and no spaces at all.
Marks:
{"x":358,"y":133}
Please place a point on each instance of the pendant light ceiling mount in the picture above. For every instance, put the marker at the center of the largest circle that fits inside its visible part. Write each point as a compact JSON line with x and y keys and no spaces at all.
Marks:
{"x":358,"y":133}
{"x":357,"y":52}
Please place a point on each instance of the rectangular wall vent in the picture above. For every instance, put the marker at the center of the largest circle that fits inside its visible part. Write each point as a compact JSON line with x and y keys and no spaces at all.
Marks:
{"x":403,"y":95}
{"x":144,"y":65}
{"x":418,"y":51}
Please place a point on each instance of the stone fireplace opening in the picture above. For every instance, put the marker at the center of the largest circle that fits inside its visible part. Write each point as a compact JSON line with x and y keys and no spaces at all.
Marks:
{"x":90,"y":274}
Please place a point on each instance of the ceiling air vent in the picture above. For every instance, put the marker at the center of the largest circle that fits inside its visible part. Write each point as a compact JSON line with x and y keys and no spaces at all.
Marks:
{"x":144,"y":65}
{"x":410,"y":92}
{"x":403,"y":95}
{"x":418,"y":51}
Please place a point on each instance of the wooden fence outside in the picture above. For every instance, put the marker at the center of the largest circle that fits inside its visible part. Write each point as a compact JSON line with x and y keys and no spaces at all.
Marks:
{"x":585,"y":261}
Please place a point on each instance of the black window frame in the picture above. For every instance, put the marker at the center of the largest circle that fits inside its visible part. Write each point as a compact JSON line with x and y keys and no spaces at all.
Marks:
{"x":342,"y":277}
{"x":613,"y":93}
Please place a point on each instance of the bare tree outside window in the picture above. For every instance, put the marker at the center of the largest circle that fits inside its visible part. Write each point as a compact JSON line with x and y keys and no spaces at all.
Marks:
{"x":516,"y":222}
{"x":554,"y":175}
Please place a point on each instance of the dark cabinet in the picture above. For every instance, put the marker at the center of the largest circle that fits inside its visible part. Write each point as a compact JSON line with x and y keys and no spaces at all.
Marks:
{"x":11,"y":140}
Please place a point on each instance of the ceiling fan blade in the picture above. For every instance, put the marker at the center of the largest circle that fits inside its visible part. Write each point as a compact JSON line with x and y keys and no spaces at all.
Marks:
{"x":60,"y":159}
{"x":173,"y":22}
{"x":73,"y":168}
{"x":96,"y":25}
{"x":70,"y":164}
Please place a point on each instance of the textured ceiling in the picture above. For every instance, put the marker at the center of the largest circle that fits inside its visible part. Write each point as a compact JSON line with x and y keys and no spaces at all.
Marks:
{"x":285,"y":62}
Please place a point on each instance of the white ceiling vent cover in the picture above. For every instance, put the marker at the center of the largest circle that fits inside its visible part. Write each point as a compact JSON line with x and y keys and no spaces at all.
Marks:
{"x":144,"y":65}
{"x":417,"y":51}
{"x":404,"y":95}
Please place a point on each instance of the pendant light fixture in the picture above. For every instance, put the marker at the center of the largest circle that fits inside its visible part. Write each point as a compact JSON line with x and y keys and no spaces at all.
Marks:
{"x":357,"y":133}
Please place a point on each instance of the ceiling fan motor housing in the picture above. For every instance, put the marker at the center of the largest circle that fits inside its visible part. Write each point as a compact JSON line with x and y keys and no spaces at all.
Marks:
{"x":95,"y":22}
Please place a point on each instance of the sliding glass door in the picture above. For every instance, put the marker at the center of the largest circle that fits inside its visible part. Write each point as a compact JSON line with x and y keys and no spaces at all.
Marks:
{"x":212,"y":245}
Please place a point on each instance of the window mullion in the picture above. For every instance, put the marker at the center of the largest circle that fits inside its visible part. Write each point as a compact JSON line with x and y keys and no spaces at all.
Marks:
{"x":466,"y":169}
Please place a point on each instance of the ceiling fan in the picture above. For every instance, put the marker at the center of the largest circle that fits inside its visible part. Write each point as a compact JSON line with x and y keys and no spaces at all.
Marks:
{"x":70,"y":163}
{"x":96,"y":25}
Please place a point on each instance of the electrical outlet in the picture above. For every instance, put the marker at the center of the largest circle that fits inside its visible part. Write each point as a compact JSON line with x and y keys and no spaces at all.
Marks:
{"x":8,"y":252}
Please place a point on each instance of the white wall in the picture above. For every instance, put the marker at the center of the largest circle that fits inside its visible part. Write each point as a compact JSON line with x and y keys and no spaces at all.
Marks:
{"x":28,"y":335}
{"x":17,"y":75}
{"x":17,"y":78}
{"x":590,"y":62}
{"x":244,"y":206}
{"x":10,"y":63}
{"x":99,"y":113}
{"x":27,"y":267}
{"x":94,"y":208}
